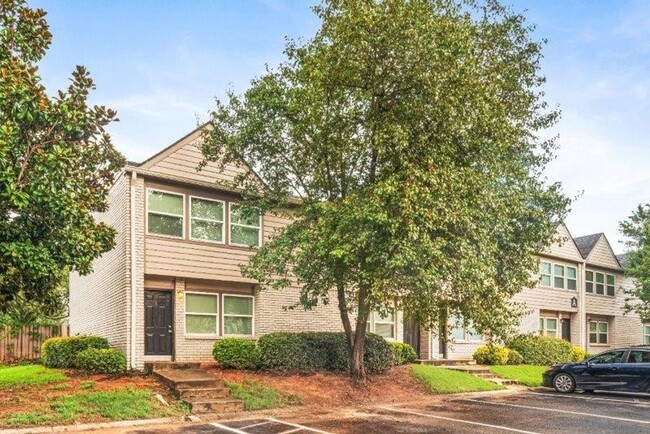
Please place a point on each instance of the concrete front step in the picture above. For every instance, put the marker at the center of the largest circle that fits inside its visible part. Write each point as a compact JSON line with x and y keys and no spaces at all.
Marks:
{"x":447,"y":362}
{"x":203,"y":406}
{"x":176,"y":378}
{"x":203,"y":393}
{"x":150,"y":367}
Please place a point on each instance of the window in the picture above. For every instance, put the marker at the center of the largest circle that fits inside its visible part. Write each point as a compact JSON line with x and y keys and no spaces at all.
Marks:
{"x":598,"y":332}
{"x":600,"y":283}
{"x":638,"y":356}
{"x":206,"y":220}
{"x":646,"y":334}
{"x":383,"y":325}
{"x":571,"y":278}
{"x":244,"y":230}
{"x":589,"y":281}
{"x":201,"y":313}
{"x":460,"y":332}
{"x":608,"y":357}
{"x":165,"y":213}
{"x":548,"y":327}
{"x":545,"y":271}
{"x":237,"y":315}
{"x":558,"y":276}
{"x":611,"y":285}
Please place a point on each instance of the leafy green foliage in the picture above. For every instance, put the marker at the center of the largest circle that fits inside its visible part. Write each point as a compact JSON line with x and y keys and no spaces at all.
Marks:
{"x":403,"y":353}
{"x":491,"y":355}
{"x":101,"y":361}
{"x":258,"y":397}
{"x":514,"y":358}
{"x":320,"y":351}
{"x":637,"y":261}
{"x":62,"y":352}
{"x":441,"y":380}
{"x":411,"y":133}
{"x":541,"y":350}
{"x":578,"y":354}
{"x":236,"y":353}
{"x":528,"y":375}
{"x":57,"y":164}
{"x":29,"y":375}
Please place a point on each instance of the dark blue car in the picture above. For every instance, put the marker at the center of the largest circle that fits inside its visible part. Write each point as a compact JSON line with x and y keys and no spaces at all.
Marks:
{"x":620,"y":370}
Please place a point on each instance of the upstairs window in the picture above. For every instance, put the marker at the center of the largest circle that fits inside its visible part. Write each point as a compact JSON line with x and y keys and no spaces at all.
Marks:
{"x":611,"y":285}
{"x":600,"y":283}
{"x":206,"y":220}
{"x":589,"y":281}
{"x":545,"y":271}
{"x":244,"y":230}
{"x":165,"y":213}
{"x":558,"y":276}
{"x":571,"y":278}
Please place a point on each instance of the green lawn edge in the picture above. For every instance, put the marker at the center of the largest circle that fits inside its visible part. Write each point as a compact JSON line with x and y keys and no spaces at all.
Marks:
{"x":526,"y":375}
{"x":445,"y":381}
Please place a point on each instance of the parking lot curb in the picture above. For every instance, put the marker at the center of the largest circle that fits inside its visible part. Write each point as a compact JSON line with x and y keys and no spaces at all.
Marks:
{"x":93,"y":426}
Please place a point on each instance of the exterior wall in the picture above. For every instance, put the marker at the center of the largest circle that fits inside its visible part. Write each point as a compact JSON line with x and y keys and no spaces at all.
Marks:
{"x":139,"y":192}
{"x":602,"y":255}
{"x":566,"y":248}
{"x":98,"y":301}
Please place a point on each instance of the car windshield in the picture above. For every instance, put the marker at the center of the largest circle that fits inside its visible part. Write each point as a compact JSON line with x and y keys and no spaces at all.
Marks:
{"x":609,"y":357}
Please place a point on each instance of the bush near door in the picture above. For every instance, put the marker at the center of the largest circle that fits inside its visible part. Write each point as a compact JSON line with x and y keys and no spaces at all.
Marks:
{"x":236,"y":353}
{"x":403,"y":353}
{"x":541,"y":350}
{"x":61,"y":352}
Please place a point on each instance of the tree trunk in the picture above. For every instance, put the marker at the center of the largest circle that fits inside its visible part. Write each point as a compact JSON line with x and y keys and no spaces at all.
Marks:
{"x":444,"y":334}
{"x":356,"y":337}
{"x":357,"y":366}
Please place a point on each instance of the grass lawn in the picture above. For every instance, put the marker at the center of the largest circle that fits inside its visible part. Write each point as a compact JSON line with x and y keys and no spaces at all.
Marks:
{"x":528,"y":375}
{"x":258,"y":397}
{"x":29,"y":375}
{"x":441,"y":380}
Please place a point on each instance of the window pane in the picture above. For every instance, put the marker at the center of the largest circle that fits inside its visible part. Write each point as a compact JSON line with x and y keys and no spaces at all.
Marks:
{"x":559,"y":282}
{"x":551,"y":324}
{"x":602,"y":327}
{"x":385,"y":330}
{"x":545,"y":268}
{"x":165,"y":225}
{"x":205,"y":230}
{"x":571,"y":272}
{"x":600,"y":278}
{"x":200,"y":324}
{"x":593,"y":338}
{"x":237,"y":305}
{"x":593,"y":326}
{"x":611,"y":279}
{"x":546,"y":280}
{"x":558,"y":270}
{"x":611,"y":290}
{"x":201,"y":303}
{"x":245,"y":236}
{"x":386,"y":318}
{"x":571,"y":284}
{"x":589,"y":287}
{"x":237,"y":325}
{"x":589,"y":275}
{"x":602,"y":338}
{"x":207,"y":209}
{"x":458,"y":333}
{"x":600,"y":288}
{"x":237,"y":217}
{"x":610,"y":357}
{"x":165,"y":202}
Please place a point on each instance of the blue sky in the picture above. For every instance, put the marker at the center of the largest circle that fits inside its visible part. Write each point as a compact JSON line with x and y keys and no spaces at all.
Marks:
{"x":161,"y":63}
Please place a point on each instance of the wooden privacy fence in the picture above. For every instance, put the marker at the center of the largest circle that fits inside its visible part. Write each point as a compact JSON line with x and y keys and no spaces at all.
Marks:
{"x":25,"y":343}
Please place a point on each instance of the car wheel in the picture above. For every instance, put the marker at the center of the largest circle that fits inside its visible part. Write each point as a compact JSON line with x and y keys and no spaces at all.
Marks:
{"x":564,"y":383}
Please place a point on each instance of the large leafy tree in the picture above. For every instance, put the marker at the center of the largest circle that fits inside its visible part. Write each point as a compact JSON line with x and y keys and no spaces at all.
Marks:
{"x":637,"y":262}
{"x":57,"y":164}
{"x":410,"y":131}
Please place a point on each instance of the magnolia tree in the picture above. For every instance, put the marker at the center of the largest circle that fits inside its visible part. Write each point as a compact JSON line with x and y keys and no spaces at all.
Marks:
{"x":56,"y":166}
{"x":405,"y":139}
{"x":637,"y":263}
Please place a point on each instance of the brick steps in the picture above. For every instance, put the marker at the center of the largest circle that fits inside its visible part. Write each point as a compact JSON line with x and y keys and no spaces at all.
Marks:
{"x":203,"y":392}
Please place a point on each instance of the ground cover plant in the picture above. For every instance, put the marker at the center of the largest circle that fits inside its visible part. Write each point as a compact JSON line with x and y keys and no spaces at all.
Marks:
{"x":29,"y":375}
{"x":440,"y":380}
{"x":259,"y":397}
{"x":527,"y":375}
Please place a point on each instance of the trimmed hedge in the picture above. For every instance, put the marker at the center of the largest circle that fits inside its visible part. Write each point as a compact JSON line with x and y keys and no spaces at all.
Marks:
{"x":236,"y":353}
{"x":541,"y":350}
{"x":101,"y":361}
{"x":403,"y":353}
{"x":320,"y":351}
{"x":491,"y":355}
{"x":61,"y":352}
{"x":514,"y":358}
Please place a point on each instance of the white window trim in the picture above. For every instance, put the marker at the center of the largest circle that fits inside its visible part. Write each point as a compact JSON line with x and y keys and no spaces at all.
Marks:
{"x":545,"y":328}
{"x":223,"y":222}
{"x":467,"y":336}
{"x":646,"y":334}
{"x":552,"y":275}
{"x":605,"y":285}
{"x":182,"y":216}
{"x":373,"y":321}
{"x":598,"y":333}
{"x":230,"y":224}
{"x":203,"y":335}
{"x":223,"y":315}
{"x":592,"y":281}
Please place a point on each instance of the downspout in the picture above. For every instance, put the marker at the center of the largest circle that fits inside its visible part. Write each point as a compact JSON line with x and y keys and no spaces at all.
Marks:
{"x":582,"y":308}
{"x":132,"y":351}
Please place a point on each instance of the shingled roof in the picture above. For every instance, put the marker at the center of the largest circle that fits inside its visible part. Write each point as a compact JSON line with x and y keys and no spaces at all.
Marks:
{"x":622,"y":259}
{"x":586,"y":243}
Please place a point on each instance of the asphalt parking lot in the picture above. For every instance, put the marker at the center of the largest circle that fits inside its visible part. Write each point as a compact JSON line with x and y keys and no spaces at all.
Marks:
{"x":526,"y":412}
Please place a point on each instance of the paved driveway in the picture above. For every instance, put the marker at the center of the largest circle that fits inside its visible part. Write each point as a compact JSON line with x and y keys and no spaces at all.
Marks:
{"x":527,"y":412}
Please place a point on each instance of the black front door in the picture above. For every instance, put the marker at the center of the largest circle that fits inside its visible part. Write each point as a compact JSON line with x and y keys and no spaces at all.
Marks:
{"x":566,"y":329}
{"x":158,"y":323}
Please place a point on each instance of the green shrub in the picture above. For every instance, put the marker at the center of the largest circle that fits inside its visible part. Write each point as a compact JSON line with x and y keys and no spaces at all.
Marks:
{"x":319,"y":351}
{"x":578,"y":354}
{"x":101,"y":361}
{"x":514,"y":358}
{"x":403,"y":353}
{"x":61,"y":352}
{"x":491,"y":355}
{"x":541,"y":350}
{"x":236,"y":353}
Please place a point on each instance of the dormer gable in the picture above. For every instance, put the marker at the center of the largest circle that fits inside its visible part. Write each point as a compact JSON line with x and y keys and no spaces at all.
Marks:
{"x":564,"y":248}
{"x":600,"y":252}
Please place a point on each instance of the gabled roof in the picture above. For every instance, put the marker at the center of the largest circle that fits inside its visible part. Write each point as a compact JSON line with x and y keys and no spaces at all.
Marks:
{"x":586,"y":243}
